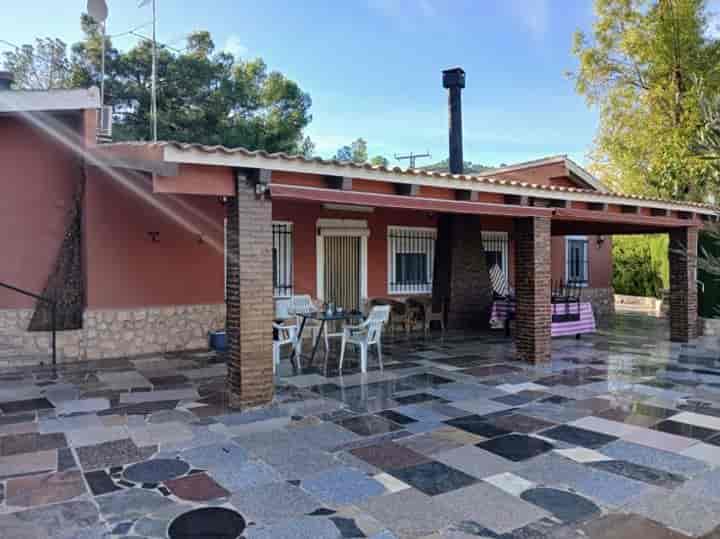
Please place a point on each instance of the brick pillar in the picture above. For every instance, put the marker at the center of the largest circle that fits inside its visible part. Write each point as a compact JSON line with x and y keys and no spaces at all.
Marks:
{"x":683,"y":285}
{"x":249,"y":297}
{"x":461,"y":275}
{"x":532,"y":289}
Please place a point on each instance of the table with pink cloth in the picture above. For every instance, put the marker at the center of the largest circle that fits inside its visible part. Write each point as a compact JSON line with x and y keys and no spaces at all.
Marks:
{"x":502,"y":308}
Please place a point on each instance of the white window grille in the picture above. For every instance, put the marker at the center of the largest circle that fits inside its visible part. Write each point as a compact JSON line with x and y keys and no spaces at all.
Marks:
{"x":282,"y":259}
{"x":411,"y":255}
{"x":576,"y":260}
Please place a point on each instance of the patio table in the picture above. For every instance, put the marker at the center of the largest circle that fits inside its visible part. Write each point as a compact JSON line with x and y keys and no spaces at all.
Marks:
{"x":503,"y":310}
{"x":323,"y":317}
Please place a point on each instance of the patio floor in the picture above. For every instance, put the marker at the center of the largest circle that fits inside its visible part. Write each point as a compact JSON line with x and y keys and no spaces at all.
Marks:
{"x":619,"y":436}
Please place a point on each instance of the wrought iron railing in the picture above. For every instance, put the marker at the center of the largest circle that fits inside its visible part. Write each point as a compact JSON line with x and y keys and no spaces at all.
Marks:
{"x":282,"y":259}
{"x":53,"y":314}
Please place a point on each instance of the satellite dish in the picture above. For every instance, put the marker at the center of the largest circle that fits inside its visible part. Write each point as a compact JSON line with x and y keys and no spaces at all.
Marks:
{"x":98,"y":10}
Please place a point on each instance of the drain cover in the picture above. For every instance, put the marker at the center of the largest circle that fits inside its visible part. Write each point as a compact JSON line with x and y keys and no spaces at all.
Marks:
{"x":156,"y":470}
{"x":215,"y":522}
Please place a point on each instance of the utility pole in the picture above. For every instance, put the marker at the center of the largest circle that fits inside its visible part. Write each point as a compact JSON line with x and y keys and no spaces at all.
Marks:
{"x":411,"y":157}
{"x":154,"y":71}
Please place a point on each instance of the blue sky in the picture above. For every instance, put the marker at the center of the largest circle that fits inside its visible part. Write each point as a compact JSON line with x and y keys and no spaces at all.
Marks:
{"x":373,"y":67}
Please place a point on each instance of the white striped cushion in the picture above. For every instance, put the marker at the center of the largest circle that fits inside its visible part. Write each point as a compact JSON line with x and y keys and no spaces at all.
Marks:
{"x":498,"y":281}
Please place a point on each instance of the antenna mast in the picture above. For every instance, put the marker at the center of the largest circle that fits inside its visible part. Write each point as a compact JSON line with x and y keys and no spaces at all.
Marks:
{"x":411,"y":157}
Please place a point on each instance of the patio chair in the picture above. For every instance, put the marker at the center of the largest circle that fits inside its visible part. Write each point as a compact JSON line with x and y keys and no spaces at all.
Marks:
{"x":400,"y":316}
{"x":365,"y":335}
{"x":284,"y":334}
{"x":424,"y":313}
{"x":303,"y":303}
{"x":567,"y":294}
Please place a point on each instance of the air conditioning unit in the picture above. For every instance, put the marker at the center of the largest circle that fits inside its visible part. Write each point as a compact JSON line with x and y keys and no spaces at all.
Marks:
{"x":104,"y":123}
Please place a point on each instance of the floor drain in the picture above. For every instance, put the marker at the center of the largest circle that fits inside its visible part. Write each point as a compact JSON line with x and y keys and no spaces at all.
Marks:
{"x":215,"y":522}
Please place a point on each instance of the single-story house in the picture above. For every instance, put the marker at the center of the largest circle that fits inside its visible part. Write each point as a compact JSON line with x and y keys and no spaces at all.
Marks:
{"x":148,"y":246}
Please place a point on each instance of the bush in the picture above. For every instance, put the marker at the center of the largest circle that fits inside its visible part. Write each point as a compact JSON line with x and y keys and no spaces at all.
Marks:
{"x":640,"y":265}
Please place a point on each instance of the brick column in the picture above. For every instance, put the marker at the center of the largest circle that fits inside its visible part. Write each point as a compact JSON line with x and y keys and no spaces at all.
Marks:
{"x":683,"y":285}
{"x":532,"y":289}
{"x":249,"y":297}
{"x":461,"y":276}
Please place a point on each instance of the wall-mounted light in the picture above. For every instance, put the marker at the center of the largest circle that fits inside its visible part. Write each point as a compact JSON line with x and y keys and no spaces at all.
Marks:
{"x":600,"y":241}
{"x":154,"y":237}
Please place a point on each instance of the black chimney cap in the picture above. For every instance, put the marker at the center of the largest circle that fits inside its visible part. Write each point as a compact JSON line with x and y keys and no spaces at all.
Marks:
{"x":454,"y":77}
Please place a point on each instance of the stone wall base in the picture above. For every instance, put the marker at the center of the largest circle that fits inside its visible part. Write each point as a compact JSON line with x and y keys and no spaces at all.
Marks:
{"x":710,"y":327}
{"x":602,"y":300}
{"x":110,"y":333}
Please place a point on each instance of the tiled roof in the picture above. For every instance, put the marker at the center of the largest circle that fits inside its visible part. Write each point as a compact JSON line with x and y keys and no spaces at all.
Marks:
{"x":417,"y":173}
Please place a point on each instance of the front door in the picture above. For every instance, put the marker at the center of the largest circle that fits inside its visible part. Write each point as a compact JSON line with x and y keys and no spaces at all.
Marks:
{"x":341,"y":271}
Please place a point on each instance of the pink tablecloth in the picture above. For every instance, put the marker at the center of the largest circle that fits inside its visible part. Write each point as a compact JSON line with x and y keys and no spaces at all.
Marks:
{"x":586,"y":324}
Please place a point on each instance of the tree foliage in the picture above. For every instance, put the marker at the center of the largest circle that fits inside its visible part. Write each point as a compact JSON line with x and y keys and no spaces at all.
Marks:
{"x":640,"y":265}
{"x":646,"y":66}
{"x":42,"y":66}
{"x":357,"y":152}
{"x":203,"y":96}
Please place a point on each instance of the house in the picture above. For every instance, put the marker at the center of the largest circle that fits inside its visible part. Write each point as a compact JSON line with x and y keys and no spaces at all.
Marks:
{"x":148,"y":246}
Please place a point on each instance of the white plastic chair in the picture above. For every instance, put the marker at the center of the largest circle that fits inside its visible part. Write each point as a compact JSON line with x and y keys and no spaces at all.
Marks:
{"x":366,"y":334}
{"x":286,"y":334}
{"x":302,"y":303}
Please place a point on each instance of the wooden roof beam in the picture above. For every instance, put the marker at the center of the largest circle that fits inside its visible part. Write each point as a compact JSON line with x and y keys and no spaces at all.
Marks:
{"x":466,"y":194}
{"x":344,"y":183}
{"x":407,"y":189}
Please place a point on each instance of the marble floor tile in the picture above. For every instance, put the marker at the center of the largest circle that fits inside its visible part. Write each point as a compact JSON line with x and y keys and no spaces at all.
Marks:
{"x":391,"y":483}
{"x":706,"y":485}
{"x":510,"y":483}
{"x":493,"y":508}
{"x":439,"y":440}
{"x":368,"y":425}
{"x":619,"y":526}
{"x":159,"y":396}
{"x":389,"y":455}
{"x":433,"y":477}
{"x":410,"y":513}
{"x":661,"y":440}
{"x":274,"y":502}
{"x":28,"y":463}
{"x":606,"y":426}
{"x":476,"y":462}
{"x":44,"y":489}
{"x":123,"y":380}
{"x":516,"y":447}
{"x":96,"y":435}
{"x":342,"y":486}
{"x":704,"y":452}
{"x":638,"y":472}
{"x":396,"y":417}
{"x":578,"y":436}
{"x":160,"y":433}
{"x":197,"y":487}
{"x":684,"y":429}
{"x":100,"y":483}
{"x":20,"y":406}
{"x":689,"y":514}
{"x":131,"y":504}
{"x":608,"y":489}
{"x":481,"y":406}
{"x":31,"y":442}
{"x":113,"y":453}
{"x":656,"y":458}
{"x":583,"y":455}
{"x":478,"y":425}
{"x":521,"y":423}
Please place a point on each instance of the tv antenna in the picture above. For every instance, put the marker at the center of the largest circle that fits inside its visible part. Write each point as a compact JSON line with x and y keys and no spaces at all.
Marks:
{"x":98,"y":10}
{"x":411,"y":157}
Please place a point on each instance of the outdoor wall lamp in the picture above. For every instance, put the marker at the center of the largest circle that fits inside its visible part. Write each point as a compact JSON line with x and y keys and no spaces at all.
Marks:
{"x":154,"y":237}
{"x":600,"y":241}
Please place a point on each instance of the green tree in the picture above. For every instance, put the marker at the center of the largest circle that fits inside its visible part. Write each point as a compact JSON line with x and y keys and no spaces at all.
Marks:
{"x":640,"y":265}
{"x":203,"y":96}
{"x":42,"y":66}
{"x":645,"y":68}
{"x":380,"y":161}
{"x":307,"y":149}
{"x":359,"y":151}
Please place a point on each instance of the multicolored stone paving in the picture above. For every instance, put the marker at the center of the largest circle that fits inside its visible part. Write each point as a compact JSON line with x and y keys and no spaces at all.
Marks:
{"x":618,"y":436}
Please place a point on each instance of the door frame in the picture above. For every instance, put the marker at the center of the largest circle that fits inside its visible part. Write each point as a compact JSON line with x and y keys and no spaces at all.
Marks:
{"x":342,"y":227}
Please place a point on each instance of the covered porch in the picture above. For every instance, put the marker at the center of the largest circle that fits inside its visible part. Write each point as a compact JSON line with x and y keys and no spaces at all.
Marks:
{"x":259,"y":189}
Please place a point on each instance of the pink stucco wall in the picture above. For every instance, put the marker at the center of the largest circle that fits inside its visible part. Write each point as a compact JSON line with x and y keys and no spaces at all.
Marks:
{"x":126,"y":268}
{"x":38,"y":178}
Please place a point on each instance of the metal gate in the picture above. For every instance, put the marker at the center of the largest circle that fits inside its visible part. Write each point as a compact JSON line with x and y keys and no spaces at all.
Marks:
{"x":341,"y":271}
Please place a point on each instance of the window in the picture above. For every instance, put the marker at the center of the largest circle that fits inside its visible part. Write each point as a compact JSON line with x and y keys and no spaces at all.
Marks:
{"x":495,"y":245}
{"x":411,"y":255}
{"x":282,"y":259}
{"x":576,"y":259}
